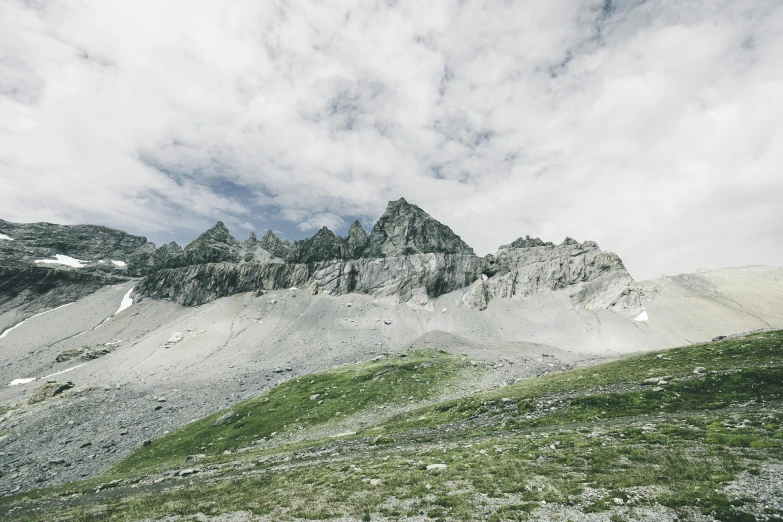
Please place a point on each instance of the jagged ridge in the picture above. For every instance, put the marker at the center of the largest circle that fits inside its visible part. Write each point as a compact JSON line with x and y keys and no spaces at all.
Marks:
{"x":408,"y":256}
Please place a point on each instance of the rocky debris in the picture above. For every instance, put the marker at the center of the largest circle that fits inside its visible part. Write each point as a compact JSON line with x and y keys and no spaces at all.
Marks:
{"x":656,"y":380}
{"x":436,"y":467}
{"x":67,"y":355}
{"x":406,"y":229}
{"x":94,"y":353}
{"x":188,"y":471}
{"x":223,"y":418}
{"x":175,"y":338}
{"x":49,"y":390}
{"x":87,"y":353}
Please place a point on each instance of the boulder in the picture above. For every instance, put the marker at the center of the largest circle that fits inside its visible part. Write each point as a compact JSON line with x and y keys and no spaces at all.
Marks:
{"x":49,"y":390}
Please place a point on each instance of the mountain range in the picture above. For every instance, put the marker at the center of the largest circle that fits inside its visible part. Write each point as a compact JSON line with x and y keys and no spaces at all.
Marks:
{"x":108,"y":342}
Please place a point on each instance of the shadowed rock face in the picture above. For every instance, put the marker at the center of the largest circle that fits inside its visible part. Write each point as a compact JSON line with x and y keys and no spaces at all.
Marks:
{"x":32,"y":289}
{"x":106,"y":256}
{"x":323,"y":246}
{"x":356,"y":242}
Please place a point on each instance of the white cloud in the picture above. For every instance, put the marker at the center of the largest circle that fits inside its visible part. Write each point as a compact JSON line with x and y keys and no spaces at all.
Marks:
{"x":651,"y":127}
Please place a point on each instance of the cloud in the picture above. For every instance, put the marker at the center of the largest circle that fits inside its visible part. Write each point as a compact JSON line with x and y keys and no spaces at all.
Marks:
{"x":652,"y":127}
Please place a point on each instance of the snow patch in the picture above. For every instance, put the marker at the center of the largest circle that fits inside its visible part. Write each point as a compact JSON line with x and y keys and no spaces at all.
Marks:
{"x":127,"y":301}
{"x":119,"y":264}
{"x":64,"y":260}
{"x":17,"y":382}
{"x":5,"y":332}
{"x":641,"y":317}
{"x":66,"y":370}
{"x":7,"y":238}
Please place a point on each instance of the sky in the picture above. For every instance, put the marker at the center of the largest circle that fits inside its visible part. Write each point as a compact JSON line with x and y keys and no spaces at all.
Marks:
{"x":654,"y":128}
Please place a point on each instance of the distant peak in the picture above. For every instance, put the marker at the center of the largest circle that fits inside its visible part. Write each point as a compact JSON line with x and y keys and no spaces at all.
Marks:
{"x":528,"y":242}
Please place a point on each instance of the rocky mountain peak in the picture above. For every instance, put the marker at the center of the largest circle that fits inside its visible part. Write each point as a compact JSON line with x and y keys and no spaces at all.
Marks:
{"x":323,"y":246}
{"x":406,"y":229}
{"x":213,"y":246}
{"x":356,"y":241}
{"x":279,"y":248}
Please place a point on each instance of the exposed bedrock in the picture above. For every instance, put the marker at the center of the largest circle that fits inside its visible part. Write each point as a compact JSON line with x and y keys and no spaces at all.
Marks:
{"x":403,"y":278}
{"x":408,"y":256}
{"x":33,"y":289}
{"x":593,"y":278}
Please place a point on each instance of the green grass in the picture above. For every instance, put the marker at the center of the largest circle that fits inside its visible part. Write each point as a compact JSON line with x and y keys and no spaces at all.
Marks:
{"x":306,"y":403}
{"x":586,"y":439}
{"x":760,"y":354}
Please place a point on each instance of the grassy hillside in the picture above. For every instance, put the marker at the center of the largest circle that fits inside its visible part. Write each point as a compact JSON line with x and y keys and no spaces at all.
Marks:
{"x":690,"y":433}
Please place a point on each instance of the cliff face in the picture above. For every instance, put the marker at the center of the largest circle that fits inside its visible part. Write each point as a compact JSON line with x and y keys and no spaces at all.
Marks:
{"x":593,"y":278}
{"x":408,"y":256}
{"x":403,"y":278}
{"x":33,"y":289}
{"x":43,"y":265}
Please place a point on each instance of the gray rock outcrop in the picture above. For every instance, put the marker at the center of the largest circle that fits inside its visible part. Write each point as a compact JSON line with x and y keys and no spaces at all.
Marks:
{"x":30,"y":289}
{"x":49,"y":390}
{"x":216,"y":245}
{"x":277,"y":247}
{"x":95,"y":246}
{"x":593,"y":278}
{"x":408,"y":256}
{"x":323,"y":246}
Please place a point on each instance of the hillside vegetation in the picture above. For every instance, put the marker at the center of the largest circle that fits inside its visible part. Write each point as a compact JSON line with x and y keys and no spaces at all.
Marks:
{"x":689,"y":433}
